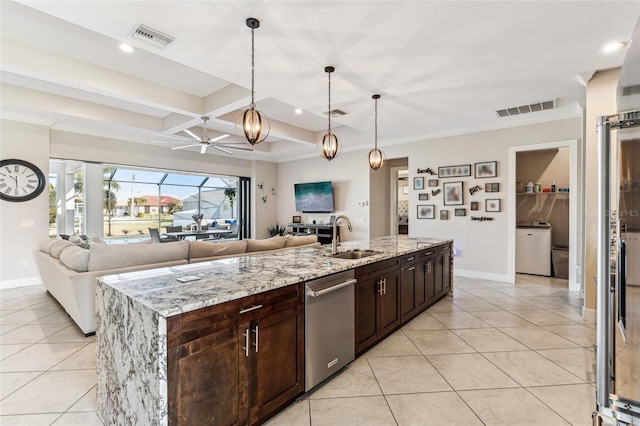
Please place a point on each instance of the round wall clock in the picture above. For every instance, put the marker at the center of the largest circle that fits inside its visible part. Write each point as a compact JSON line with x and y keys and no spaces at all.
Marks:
{"x":20,"y":180}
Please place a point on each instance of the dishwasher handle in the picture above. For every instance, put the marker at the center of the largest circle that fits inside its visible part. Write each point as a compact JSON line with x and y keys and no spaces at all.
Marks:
{"x":330,"y":289}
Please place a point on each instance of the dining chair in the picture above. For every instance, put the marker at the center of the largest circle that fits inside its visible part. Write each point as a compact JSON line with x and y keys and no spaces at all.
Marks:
{"x":155,"y":236}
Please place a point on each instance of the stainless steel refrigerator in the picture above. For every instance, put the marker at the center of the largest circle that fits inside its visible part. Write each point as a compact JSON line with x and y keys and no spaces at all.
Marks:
{"x":618,"y":274}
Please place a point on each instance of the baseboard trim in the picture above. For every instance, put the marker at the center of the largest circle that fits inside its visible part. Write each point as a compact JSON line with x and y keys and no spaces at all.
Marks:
{"x":481,"y":275}
{"x":588,"y":314}
{"x":20,"y":282}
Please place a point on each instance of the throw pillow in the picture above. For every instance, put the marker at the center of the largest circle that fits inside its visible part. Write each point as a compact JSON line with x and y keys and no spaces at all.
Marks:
{"x":59,"y":246}
{"x":46,"y":244}
{"x":76,"y":258}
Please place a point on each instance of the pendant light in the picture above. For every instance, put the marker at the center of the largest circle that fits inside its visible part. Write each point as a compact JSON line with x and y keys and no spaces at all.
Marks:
{"x":329,"y":145}
{"x":376,"y":157}
{"x":253,"y":125}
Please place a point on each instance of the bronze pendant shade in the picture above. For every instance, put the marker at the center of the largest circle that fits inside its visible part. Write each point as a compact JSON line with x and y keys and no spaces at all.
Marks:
{"x":375,"y":156}
{"x":329,"y":144}
{"x":252,"y":124}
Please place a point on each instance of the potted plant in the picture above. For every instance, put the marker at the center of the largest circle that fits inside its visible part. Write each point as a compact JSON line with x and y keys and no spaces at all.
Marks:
{"x":274,"y":230}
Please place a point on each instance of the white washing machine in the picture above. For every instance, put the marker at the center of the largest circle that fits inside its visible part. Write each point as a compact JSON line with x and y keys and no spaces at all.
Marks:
{"x":533,"y":249}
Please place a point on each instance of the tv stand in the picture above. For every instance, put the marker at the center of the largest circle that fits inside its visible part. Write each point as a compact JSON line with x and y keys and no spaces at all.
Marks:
{"x":324,"y":232}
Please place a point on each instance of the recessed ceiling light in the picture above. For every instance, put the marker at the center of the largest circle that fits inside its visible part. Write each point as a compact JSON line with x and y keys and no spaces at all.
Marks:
{"x":612,"y":47}
{"x":298,"y":111}
{"x":125,"y":48}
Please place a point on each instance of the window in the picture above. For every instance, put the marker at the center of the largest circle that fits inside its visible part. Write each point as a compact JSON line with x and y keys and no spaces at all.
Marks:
{"x":136,"y":200}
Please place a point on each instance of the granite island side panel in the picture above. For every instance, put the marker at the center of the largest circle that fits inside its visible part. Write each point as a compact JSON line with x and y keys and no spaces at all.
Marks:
{"x":132,"y":309}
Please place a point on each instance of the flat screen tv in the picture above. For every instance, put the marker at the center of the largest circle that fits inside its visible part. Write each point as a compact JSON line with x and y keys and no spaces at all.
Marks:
{"x":314,"y":197}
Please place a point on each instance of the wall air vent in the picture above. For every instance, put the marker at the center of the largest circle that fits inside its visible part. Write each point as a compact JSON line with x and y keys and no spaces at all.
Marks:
{"x":525,"y":109}
{"x":335,"y":113}
{"x":148,"y":35}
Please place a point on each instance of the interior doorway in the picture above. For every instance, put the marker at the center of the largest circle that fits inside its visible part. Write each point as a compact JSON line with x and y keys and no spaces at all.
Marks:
{"x":399,"y":199}
{"x":543,"y":224}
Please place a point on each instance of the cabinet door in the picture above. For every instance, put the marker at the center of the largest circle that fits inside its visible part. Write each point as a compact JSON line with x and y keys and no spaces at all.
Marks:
{"x":367,"y":312}
{"x":438,"y":278}
{"x":390,"y":303}
{"x":276,"y":351}
{"x":408,"y":291}
{"x":446,"y":271}
{"x":429,"y":278}
{"x":205,"y":380}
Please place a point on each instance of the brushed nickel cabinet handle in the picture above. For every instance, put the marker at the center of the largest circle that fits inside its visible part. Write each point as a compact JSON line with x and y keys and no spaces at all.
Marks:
{"x":410,"y":259}
{"x":253,"y":308}
{"x":246,"y":342}
{"x":411,"y":269}
{"x":256,"y":342}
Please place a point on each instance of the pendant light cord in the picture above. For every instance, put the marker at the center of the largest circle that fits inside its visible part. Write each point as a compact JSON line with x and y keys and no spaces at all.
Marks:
{"x":376,"y":124}
{"x":329,"y":113}
{"x":253,"y":104}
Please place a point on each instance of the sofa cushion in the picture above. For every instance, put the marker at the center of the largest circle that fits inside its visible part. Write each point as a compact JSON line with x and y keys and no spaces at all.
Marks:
{"x":107,"y":256}
{"x":58,"y":247}
{"x":272,"y":243}
{"x":200,"y":249}
{"x":300,"y":240}
{"x":76,"y":258}
{"x":46,"y":244}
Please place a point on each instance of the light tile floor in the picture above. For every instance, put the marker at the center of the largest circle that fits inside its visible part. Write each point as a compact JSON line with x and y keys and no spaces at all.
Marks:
{"x":494,"y":354}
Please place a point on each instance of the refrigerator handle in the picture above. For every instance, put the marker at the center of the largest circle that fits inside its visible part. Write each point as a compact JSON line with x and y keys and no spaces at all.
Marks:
{"x":622,"y":289}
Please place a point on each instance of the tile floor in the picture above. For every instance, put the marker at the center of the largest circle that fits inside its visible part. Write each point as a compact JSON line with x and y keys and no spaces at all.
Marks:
{"x":494,"y":354}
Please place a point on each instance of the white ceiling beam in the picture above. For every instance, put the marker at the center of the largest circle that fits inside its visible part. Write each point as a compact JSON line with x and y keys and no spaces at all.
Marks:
{"x":40,"y":102}
{"x":63,"y":70}
{"x":279,"y":130}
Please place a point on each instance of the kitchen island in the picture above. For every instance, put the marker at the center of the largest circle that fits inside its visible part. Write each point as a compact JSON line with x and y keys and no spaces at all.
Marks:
{"x":170,"y":352}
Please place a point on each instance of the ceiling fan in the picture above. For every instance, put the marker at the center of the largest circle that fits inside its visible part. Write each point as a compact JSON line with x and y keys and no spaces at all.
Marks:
{"x":204,"y":142}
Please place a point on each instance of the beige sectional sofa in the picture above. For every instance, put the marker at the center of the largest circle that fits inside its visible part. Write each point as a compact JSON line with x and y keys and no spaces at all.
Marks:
{"x":69,"y":270}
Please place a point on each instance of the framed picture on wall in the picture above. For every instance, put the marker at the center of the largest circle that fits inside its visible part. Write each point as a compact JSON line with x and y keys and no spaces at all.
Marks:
{"x":297,"y":219}
{"x":475,"y":206}
{"x":444,"y":214}
{"x":426,"y":211}
{"x":453,"y":195}
{"x":492,"y":187}
{"x":461,"y":212}
{"x":418,"y":183}
{"x":492,"y":206}
{"x":423,"y":196}
{"x":488,"y":169}
{"x":454,"y":171}
{"x":433,"y":182}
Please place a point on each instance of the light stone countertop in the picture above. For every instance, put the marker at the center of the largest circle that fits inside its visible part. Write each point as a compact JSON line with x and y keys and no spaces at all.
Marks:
{"x":233,"y":278}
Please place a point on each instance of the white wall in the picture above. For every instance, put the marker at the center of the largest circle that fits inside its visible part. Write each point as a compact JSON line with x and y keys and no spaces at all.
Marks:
{"x":265,"y":213}
{"x":27,"y":142}
{"x":349,"y":173}
{"x":483,"y":246}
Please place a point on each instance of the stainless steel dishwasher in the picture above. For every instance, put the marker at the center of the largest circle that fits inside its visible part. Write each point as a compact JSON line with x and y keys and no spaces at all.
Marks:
{"x":329,"y":326}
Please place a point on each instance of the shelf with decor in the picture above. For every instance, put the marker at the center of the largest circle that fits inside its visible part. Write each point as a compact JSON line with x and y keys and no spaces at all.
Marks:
{"x":542,"y":193}
{"x":324,"y":232}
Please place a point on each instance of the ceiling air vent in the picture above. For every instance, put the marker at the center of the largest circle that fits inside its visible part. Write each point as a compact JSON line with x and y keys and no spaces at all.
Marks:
{"x":525,"y":109}
{"x":148,"y":35}
{"x":335,"y":113}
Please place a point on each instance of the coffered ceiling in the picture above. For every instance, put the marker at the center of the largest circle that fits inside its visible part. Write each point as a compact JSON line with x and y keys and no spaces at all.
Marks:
{"x":442,"y":67}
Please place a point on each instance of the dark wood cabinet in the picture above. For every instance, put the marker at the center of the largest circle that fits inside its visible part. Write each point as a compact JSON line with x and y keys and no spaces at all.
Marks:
{"x":238,"y":362}
{"x":392,"y":292}
{"x":377,"y":302}
{"x":411,"y":287}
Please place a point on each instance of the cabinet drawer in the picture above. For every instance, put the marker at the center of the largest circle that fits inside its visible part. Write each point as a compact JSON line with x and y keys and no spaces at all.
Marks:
{"x":202,"y":322}
{"x":377,"y":267}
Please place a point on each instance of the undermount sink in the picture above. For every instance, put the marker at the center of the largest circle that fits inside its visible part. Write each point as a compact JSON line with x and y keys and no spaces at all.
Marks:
{"x":355,"y":254}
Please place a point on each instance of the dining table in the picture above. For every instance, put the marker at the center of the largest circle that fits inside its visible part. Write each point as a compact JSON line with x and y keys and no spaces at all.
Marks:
{"x":214,"y":234}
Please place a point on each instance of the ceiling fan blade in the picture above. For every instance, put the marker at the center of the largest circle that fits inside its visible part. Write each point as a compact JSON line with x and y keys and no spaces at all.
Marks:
{"x":193,"y":135}
{"x":203,"y":148}
{"x":186,"y":146}
{"x":219,"y":138}
{"x":235,"y":147}
{"x":221,"y":149}
{"x":182,"y":138}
